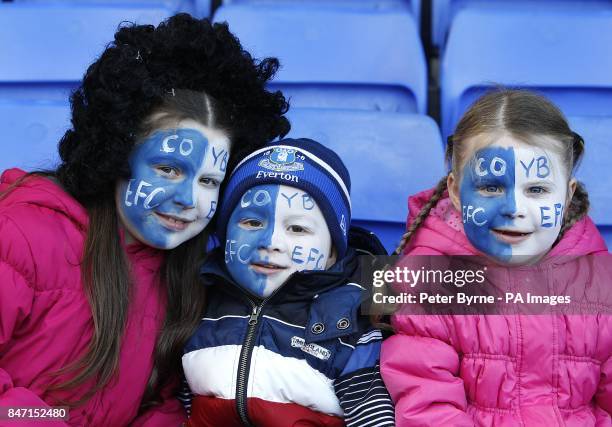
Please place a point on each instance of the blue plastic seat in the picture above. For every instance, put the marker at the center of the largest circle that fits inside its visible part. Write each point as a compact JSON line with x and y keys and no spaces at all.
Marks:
{"x":336,"y":57}
{"x":595,"y":167}
{"x":198,"y":8}
{"x":56,"y":43}
{"x":46,"y":49}
{"x":443,"y":11}
{"x":413,"y":6}
{"x":563,"y":55}
{"x":389,"y":156}
{"x":31,"y":133}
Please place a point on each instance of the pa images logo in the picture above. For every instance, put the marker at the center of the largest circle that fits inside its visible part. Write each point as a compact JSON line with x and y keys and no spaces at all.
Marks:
{"x":282,"y":160}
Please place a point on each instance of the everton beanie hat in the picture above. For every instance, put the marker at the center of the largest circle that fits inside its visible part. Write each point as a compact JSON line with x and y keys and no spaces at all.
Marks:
{"x":301,"y":163}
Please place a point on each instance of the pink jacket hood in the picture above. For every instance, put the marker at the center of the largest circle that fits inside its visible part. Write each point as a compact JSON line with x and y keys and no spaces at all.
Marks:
{"x":45,"y":318}
{"x":499,"y":370}
{"x":43,"y":193}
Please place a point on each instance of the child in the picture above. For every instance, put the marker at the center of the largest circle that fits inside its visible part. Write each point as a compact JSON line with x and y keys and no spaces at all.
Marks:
{"x":93,"y":270}
{"x":282,"y":342}
{"x":510,"y":196}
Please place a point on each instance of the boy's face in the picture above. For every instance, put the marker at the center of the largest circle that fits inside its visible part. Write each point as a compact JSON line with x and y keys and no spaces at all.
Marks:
{"x":172,"y":193}
{"x":274,"y":231}
{"x":513,"y":198}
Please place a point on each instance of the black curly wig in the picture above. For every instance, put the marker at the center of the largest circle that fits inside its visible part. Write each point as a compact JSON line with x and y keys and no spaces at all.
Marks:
{"x":142,"y":66}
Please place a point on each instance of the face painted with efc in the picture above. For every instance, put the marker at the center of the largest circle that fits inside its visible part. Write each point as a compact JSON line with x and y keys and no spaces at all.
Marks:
{"x":513,"y":198}
{"x":173,"y":191}
{"x":274,"y":231}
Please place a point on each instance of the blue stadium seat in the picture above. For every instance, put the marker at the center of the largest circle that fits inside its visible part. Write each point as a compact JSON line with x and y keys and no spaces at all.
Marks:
{"x":389,"y":156}
{"x":414,"y":6}
{"x":31,"y":131}
{"x":198,"y":8}
{"x":46,"y":49}
{"x":563,"y":55}
{"x":444,"y":11}
{"x":336,"y":57}
{"x":594,"y":171}
{"x":201,"y":8}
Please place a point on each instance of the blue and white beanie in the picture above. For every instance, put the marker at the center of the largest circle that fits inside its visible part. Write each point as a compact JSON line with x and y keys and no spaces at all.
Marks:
{"x":301,"y":163}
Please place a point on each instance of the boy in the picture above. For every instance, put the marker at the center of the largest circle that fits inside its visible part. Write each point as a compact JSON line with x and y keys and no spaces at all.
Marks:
{"x":282,"y":342}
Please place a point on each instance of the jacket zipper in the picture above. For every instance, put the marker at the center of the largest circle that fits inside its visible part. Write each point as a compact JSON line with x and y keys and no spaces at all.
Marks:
{"x":244,"y":365}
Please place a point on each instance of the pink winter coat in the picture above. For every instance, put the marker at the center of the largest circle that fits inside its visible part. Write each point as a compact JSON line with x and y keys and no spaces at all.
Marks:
{"x":45,"y":318}
{"x":498,"y":370}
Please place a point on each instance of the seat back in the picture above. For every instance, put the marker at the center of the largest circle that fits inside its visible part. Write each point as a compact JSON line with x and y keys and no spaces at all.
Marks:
{"x":546,"y":51}
{"x":335,"y":57}
{"x":593,"y":171}
{"x":443,"y":12}
{"x":389,"y":157}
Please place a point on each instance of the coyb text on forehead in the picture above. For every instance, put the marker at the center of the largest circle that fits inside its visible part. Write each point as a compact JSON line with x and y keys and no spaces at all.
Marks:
{"x":464,"y":150}
{"x":512,"y":200}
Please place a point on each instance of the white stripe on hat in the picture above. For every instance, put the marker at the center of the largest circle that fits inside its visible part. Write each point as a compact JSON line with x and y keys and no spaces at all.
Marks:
{"x":317,"y":160}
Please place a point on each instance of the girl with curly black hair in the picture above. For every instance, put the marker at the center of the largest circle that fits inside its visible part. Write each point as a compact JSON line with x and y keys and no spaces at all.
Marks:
{"x":99,"y":258}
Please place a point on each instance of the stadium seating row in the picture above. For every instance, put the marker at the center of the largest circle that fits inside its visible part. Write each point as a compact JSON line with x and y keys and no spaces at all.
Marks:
{"x":199,"y":8}
{"x":559,"y":54}
{"x":443,"y":12}
{"x":337,"y":57}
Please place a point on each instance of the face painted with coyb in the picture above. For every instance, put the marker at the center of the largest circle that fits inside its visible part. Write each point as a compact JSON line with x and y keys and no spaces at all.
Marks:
{"x":274,"y":231}
{"x":173,"y":191}
{"x":513,"y":198}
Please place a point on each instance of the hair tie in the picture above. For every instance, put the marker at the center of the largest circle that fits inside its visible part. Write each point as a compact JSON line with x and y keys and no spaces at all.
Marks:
{"x":577,"y":138}
{"x":448,"y":153}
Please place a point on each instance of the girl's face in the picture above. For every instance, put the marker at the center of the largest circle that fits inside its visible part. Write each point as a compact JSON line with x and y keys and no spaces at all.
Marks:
{"x":274,"y":231}
{"x":512,"y":198}
{"x":173,"y":191}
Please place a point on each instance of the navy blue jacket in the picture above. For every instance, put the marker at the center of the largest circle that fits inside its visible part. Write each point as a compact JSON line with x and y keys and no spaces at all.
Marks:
{"x":307,"y":345}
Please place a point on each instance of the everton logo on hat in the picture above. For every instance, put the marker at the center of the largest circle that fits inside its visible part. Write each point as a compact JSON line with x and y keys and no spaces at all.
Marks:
{"x":281,"y":159}
{"x":282,"y":156}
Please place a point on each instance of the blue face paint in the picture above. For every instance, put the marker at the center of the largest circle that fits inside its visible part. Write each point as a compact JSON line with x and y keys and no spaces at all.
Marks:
{"x":487,"y":199}
{"x":242,"y":245}
{"x":173,"y":190}
{"x":274,"y":231}
{"x":512,"y":201}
